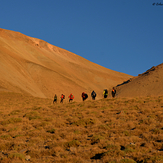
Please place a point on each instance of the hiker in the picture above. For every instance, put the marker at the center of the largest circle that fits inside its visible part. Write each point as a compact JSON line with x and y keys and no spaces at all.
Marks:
{"x":55,"y":99}
{"x":105,"y":93}
{"x":71,"y":97}
{"x":62,"y":97}
{"x":84,"y":96}
{"x":113,"y":92}
{"x":93,"y":94}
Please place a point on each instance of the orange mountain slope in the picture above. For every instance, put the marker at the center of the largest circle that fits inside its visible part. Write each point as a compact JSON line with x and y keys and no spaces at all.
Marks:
{"x":149,"y":83}
{"x":33,"y":66}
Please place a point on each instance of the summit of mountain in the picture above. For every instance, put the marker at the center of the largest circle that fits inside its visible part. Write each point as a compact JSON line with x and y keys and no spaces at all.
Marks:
{"x":32,"y":66}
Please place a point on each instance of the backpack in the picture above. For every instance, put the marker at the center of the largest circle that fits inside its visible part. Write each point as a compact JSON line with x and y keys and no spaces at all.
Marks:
{"x":114,"y":91}
{"x":71,"y":97}
{"x":86,"y":96}
{"x":94,"y":94}
{"x":106,"y":91}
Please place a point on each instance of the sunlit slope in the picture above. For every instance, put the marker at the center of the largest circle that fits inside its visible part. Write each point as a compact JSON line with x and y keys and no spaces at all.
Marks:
{"x":149,"y":83}
{"x":33,"y":66}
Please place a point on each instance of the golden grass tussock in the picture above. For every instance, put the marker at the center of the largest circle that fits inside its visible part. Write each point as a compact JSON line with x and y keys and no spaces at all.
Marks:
{"x":119,"y":130}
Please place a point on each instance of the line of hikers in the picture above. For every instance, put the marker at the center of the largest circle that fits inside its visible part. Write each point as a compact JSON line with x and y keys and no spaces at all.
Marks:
{"x":85,"y":95}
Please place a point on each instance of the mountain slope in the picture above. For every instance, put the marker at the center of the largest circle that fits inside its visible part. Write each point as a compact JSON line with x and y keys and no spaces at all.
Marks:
{"x":33,"y":66}
{"x":146,"y":84}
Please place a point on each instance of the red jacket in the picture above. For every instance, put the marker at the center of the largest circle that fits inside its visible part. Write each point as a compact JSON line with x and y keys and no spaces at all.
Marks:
{"x":62,"y":97}
{"x":71,"y":96}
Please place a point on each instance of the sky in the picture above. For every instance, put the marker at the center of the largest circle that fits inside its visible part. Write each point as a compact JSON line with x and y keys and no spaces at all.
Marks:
{"x":121,"y":35}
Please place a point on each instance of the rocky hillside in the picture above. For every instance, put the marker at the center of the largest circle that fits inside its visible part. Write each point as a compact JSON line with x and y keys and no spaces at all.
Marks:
{"x":150,"y":83}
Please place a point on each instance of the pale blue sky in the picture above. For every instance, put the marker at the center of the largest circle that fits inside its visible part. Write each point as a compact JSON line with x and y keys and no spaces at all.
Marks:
{"x":122,"y":35}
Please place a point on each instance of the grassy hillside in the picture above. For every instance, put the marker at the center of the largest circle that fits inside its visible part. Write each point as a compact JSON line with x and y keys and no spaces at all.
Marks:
{"x":124,"y":130}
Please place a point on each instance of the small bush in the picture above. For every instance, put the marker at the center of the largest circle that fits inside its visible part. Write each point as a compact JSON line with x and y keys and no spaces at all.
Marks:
{"x":11,"y":120}
{"x":154,"y":159}
{"x":52,"y":131}
{"x":48,"y":119}
{"x":36,"y":108}
{"x":104,"y":127}
{"x":73,"y":143}
{"x":13,"y":129}
{"x":17,"y":136}
{"x":113,"y":153}
{"x":111,"y":146}
{"x":16,"y":155}
{"x":84,"y":122}
{"x":126,"y":133}
{"x":76,"y":132}
{"x":156,"y":131}
{"x":96,"y":139}
{"x":15,"y":112}
{"x":5,"y":137}
{"x":129,"y":150}
{"x":127,"y":161}
{"x":32,"y":115}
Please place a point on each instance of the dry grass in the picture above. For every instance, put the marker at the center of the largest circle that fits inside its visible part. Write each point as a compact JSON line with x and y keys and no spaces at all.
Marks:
{"x":104,"y":131}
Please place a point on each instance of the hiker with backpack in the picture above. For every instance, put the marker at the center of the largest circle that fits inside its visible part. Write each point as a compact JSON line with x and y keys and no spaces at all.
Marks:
{"x":62,"y":97}
{"x":55,"y":99}
{"x":84,"y":96}
{"x":105,"y":93}
{"x":93,"y":94}
{"x":113,"y":92}
{"x":71,"y":97}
